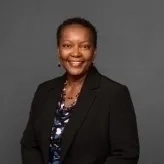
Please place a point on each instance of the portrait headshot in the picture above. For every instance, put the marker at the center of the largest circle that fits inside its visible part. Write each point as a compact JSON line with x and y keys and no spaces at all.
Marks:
{"x":82,"y":116}
{"x":82,"y":82}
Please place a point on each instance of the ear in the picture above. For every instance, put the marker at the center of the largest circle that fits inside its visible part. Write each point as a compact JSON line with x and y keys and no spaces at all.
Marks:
{"x":94,"y":54}
{"x":58,"y":53}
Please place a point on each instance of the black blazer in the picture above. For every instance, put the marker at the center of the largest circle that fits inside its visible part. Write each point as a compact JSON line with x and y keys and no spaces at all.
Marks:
{"x":101,"y":130}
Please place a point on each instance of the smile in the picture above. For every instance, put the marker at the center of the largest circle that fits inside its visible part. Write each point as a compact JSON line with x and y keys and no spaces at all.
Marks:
{"x":75,"y":63}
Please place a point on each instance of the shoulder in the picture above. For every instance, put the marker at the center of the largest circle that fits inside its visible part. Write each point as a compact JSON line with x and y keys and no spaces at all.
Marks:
{"x":49,"y":84}
{"x":112,"y":87}
{"x":42,"y":90}
{"x":109,"y":83}
{"x":117,"y":93}
{"x":45,"y":87}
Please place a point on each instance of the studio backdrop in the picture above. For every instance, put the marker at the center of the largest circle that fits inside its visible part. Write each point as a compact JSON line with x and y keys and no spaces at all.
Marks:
{"x":130,"y":51}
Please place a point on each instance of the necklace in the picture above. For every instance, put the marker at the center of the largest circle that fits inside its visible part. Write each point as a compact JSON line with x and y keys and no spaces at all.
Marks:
{"x":69,"y":97}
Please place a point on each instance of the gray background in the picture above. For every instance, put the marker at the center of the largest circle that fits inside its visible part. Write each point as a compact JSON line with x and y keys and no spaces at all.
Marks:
{"x":130,"y":51}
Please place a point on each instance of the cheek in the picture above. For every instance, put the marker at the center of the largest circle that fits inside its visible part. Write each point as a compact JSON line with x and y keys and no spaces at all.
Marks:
{"x":63,"y":54}
{"x":88,"y":56}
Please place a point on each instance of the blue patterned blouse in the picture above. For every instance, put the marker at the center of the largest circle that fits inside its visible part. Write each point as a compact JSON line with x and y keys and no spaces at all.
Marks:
{"x":60,"y":121}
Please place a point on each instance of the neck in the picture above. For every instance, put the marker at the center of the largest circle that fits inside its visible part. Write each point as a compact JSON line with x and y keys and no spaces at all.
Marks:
{"x":75,"y":81}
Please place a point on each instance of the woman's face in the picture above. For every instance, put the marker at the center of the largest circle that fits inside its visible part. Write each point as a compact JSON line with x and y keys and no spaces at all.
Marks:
{"x":76,"y":49}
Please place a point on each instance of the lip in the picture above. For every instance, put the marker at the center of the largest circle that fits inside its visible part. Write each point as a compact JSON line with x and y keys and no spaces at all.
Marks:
{"x":76,"y":63}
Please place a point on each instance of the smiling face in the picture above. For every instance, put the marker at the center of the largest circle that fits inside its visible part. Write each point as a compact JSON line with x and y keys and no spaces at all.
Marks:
{"x":76,"y":49}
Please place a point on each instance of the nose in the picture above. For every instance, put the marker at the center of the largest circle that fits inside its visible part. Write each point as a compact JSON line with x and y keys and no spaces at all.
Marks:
{"x":76,"y":52}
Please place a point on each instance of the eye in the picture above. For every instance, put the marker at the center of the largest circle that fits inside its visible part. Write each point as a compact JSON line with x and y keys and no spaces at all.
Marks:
{"x":85,"y":47}
{"x":66,"y":45}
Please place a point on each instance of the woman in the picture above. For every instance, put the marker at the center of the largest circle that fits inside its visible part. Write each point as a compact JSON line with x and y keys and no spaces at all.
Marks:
{"x":81,"y":117}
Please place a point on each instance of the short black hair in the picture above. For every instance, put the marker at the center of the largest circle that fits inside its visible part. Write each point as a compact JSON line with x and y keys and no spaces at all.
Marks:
{"x":79,"y":21}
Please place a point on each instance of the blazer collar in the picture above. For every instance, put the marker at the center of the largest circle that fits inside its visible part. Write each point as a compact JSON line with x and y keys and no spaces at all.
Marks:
{"x":91,"y":81}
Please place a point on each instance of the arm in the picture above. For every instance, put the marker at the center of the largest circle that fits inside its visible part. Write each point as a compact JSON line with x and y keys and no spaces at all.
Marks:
{"x":29,"y":148}
{"x":123,"y":134}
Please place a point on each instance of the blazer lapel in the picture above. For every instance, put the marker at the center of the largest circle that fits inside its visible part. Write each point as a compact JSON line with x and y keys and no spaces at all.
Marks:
{"x":52,"y":99}
{"x":83,"y":105}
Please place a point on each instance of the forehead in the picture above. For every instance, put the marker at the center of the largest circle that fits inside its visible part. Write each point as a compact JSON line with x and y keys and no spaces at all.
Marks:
{"x":76,"y":31}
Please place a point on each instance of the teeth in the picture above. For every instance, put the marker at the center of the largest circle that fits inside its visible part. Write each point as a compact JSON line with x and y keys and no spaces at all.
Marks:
{"x":75,"y":63}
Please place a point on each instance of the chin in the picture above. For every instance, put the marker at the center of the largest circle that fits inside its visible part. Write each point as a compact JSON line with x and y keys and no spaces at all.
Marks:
{"x":75,"y":72}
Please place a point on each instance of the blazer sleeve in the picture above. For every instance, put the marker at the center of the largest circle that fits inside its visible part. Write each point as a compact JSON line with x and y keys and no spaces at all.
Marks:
{"x":123,"y":133}
{"x":30,"y":151}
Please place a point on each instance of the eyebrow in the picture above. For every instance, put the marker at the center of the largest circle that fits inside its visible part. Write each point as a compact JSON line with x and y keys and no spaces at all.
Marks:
{"x":80,"y":42}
